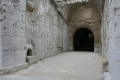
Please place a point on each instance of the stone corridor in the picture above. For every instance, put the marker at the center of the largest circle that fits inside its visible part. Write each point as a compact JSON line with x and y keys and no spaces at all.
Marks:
{"x":65,"y":66}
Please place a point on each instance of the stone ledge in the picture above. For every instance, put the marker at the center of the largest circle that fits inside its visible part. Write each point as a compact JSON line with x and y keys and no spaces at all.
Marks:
{"x":107,"y":76}
{"x":14,"y":78}
{"x":31,"y":60}
{"x":105,"y":65}
{"x":12,"y":69}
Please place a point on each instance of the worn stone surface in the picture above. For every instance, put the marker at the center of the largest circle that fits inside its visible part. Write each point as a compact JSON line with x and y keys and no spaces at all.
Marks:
{"x":27,"y":47}
{"x":46,"y":30}
{"x":107,"y":76}
{"x":65,"y":66}
{"x":13,"y":32}
{"x":84,"y":16}
{"x":43,"y":29}
{"x":30,"y":6}
{"x":31,"y":60}
{"x":40,"y":27}
{"x":105,"y":65}
{"x":13,"y":69}
{"x":1,"y":19}
{"x":114,"y":40}
{"x":105,"y":30}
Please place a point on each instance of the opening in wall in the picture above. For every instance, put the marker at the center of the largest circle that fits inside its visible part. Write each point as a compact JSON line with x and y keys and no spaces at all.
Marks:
{"x":84,"y":40}
{"x":29,"y":52}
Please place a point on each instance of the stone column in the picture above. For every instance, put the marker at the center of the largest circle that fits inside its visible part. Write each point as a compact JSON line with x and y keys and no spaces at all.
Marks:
{"x":0,"y":37}
{"x":13,"y":32}
{"x":114,"y":39}
{"x":0,"y":42}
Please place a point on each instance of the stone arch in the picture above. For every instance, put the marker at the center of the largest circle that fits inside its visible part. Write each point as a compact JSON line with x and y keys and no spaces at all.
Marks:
{"x":73,"y":7}
{"x":83,"y":26}
{"x":96,"y":33}
{"x":80,"y":12}
{"x":85,"y":16}
{"x":29,"y":52}
{"x":83,"y":40}
{"x":29,"y":49}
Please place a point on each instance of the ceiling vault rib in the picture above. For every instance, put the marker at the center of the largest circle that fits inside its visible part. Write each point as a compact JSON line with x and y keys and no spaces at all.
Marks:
{"x":59,"y":12}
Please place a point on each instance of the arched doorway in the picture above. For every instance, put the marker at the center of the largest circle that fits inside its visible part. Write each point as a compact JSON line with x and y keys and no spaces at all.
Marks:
{"x":83,"y":40}
{"x":29,"y":52}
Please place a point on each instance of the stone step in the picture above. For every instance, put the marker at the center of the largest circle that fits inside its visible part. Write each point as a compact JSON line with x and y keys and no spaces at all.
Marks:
{"x":12,"y":69}
{"x":31,"y":60}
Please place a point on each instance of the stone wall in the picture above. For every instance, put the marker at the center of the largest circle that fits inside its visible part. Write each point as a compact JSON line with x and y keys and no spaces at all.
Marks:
{"x":114,"y":39}
{"x":85,"y":16}
{"x":105,"y":29}
{"x":13,"y":32}
{"x":0,"y":35}
{"x":46,"y":30}
{"x":33,"y":24}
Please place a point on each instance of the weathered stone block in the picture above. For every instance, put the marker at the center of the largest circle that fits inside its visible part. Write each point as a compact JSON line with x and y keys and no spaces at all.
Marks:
{"x":30,"y":6}
{"x":22,"y":5}
{"x":15,"y":1}
{"x":105,"y":65}
{"x":8,"y":59}
{"x":31,"y":60}
{"x":12,"y":69}
{"x":19,"y":56}
{"x":107,"y":76}
{"x":28,"y":46}
{"x":7,"y":28}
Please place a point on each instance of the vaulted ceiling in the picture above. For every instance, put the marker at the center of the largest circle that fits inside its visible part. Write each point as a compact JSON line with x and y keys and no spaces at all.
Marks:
{"x":68,"y":6}
{"x":98,"y":4}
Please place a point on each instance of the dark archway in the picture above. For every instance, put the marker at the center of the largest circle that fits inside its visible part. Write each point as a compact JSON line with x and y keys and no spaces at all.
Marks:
{"x":29,"y":52}
{"x":83,"y":40}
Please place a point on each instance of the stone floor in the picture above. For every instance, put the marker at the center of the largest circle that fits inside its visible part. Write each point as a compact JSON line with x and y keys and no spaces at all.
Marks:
{"x":65,"y":66}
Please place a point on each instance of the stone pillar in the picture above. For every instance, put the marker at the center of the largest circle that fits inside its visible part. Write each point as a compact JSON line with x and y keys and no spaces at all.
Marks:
{"x":114,"y":39}
{"x":105,"y":30}
{"x":13,"y":32}
{"x":0,"y":42}
{"x":0,"y":37}
{"x":97,"y":41}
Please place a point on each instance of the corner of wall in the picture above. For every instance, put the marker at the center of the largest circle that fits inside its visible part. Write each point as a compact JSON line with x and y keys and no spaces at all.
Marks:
{"x":0,"y":37}
{"x":0,"y":43}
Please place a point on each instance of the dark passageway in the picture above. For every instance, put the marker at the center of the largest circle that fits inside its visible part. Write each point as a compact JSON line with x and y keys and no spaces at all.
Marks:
{"x":29,"y":52}
{"x":83,"y":40}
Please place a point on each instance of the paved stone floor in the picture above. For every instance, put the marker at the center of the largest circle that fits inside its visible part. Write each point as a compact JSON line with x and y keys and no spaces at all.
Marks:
{"x":65,"y":66}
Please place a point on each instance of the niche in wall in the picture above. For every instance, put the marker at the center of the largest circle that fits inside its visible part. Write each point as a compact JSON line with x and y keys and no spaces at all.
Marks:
{"x":29,"y":52}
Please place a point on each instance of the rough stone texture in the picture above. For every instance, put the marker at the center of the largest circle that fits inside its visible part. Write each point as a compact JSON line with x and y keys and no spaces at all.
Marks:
{"x":114,"y":39}
{"x":30,"y":6}
{"x":13,"y":32}
{"x":14,"y":78}
{"x":46,"y":33}
{"x":107,"y":76}
{"x":46,"y":30}
{"x":12,"y":69}
{"x":27,"y":47}
{"x":97,"y":4}
{"x":42,"y":30}
{"x":85,"y":16}
{"x":76,"y":12}
{"x":1,"y":19}
{"x":31,"y":60}
{"x":105,"y":30}
{"x":105,"y":65}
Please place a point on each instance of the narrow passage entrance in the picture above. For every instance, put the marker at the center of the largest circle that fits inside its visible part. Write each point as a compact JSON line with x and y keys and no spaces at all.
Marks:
{"x":84,"y":40}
